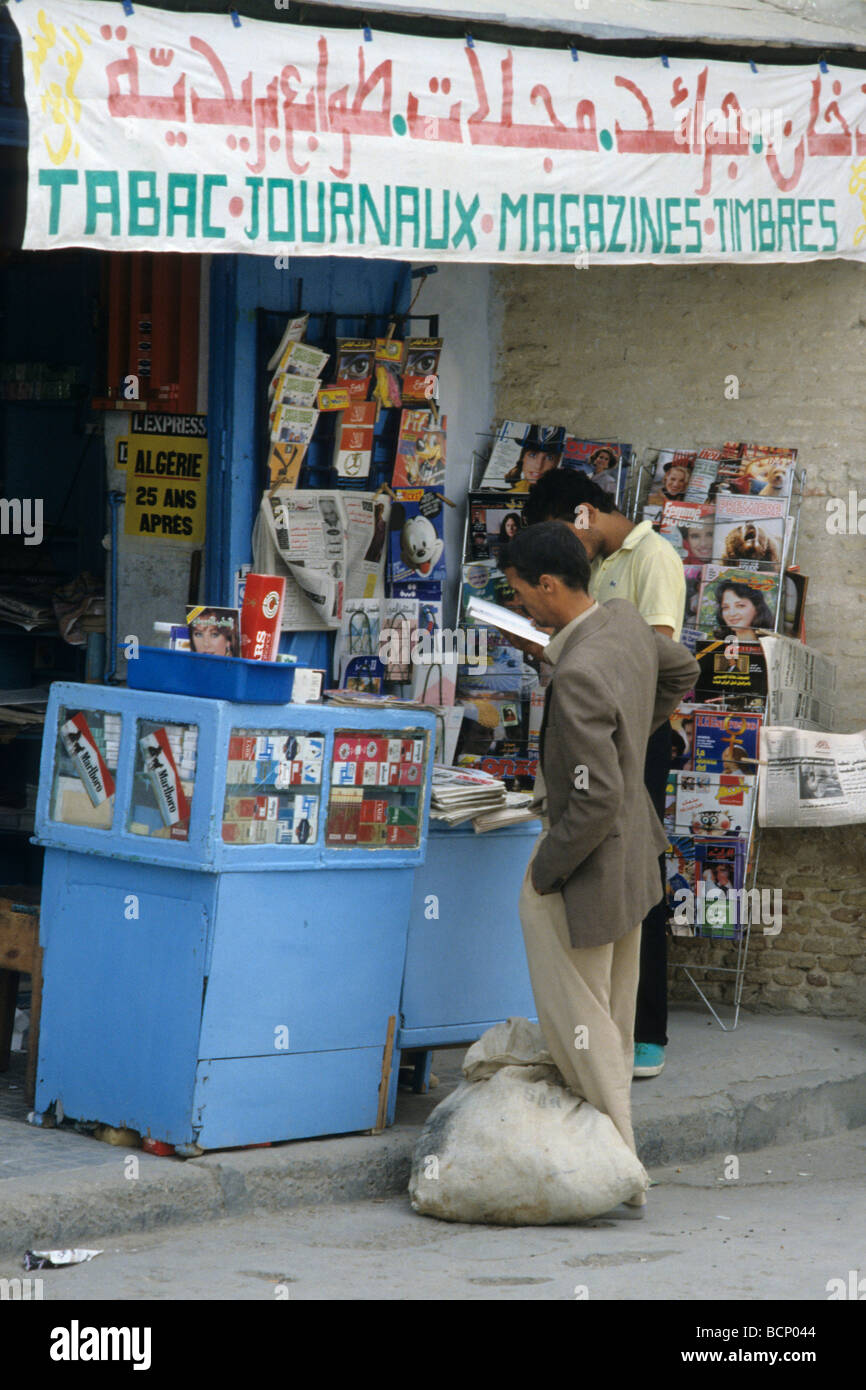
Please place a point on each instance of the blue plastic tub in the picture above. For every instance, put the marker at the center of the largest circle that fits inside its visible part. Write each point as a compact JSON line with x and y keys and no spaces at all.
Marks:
{"x":216,"y":677}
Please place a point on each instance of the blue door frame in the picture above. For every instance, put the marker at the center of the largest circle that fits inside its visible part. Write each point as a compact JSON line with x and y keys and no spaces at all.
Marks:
{"x":241,"y":285}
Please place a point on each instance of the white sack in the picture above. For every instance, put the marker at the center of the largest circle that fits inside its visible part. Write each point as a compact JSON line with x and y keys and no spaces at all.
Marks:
{"x":517,"y":1148}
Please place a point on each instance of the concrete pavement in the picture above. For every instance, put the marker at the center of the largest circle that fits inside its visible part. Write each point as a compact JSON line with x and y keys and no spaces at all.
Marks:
{"x":775,"y":1079}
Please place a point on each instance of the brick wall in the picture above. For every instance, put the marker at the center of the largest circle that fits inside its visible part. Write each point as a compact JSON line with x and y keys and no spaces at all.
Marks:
{"x":642,"y":354}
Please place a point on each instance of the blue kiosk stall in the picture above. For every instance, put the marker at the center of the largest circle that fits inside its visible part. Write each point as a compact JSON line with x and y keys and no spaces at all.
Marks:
{"x":465,"y":959}
{"x":226,"y":898}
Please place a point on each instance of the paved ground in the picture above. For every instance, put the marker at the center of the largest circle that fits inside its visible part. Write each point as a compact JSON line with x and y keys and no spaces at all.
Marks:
{"x":775,"y":1079}
{"x":792,"y":1221}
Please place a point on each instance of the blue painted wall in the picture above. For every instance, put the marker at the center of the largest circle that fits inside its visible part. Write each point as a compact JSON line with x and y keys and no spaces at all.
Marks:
{"x":239,"y":286}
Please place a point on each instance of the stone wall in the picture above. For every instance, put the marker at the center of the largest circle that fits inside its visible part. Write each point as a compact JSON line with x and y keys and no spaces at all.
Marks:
{"x":642,"y":354}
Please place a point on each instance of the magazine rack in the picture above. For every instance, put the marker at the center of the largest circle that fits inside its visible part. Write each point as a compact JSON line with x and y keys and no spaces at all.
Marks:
{"x":737,"y":972}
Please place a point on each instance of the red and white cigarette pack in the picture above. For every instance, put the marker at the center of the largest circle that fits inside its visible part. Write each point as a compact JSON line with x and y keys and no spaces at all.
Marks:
{"x":164,"y":778}
{"x":262,"y":616}
{"x":89,"y":763}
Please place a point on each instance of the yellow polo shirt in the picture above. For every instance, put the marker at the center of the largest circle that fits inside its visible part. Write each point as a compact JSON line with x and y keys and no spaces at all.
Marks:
{"x":648,"y":572}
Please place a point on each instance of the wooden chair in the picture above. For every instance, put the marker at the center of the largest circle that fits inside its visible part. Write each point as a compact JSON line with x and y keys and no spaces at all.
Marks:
{"x":20,"y":953}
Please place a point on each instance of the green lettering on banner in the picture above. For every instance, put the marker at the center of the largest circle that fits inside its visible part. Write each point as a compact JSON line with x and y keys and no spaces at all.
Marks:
{"x":343,"y":208}
{"x":516,"y":209}
{"x":802,"y":204}
{"x":766,"y":225}
{"x":828,"y":226}
{"x":613,"y":244}
{"x":671,"y":226}
{"x":695,"y":225}
{"x":721,"y":207}
{"x":543,"y":226}
{"x":593,"y":221}
{"x":174,"y":207}
{"x":787,"y":216}
{"x":646,"y":222}
{"x":383,"y":229}
{"x":286,"y":233}
{"x":740,"y":207}
{"x":94,"y":180}
{"x":143,"y":201}
{"x":566,"y":232}
{"x":55,"y":179}
{"x":211,"y":181}
{"x":309,"y":233}
{"x":412,"y":218}
{"x":255,"y":186}
{"x":431,"y":242}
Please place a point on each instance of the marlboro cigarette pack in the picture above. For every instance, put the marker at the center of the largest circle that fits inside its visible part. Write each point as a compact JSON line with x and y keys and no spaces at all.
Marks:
{"x":164,"y":778}
{"x":81,"y":746}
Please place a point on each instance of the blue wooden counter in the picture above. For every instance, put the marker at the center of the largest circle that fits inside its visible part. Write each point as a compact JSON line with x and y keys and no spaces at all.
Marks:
{"x":465,"y":959}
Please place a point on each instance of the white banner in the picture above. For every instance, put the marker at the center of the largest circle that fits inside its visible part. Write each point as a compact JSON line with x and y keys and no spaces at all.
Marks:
{"x":155,"y":131}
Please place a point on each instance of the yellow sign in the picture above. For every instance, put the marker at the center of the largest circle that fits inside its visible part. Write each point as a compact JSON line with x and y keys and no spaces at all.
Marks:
{"x":166,"y":483}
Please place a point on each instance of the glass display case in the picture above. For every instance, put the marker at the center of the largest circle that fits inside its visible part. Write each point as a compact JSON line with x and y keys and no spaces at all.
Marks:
{"x":377,"y":787}
{"x":266,"y":856}
{"x":85,"y":763}
{"x":163,"y":779}
{"x":273,"y":787}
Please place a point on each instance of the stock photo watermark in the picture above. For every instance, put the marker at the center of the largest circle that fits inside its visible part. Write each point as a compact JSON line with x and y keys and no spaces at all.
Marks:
{"x":22,"y":516}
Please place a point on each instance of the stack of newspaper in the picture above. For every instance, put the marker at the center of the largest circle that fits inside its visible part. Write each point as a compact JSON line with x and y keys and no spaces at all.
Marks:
{"x":461,"y":794}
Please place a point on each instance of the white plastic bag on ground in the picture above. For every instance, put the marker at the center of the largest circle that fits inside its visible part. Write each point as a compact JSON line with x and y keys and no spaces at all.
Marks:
{"x":514,"y":1147}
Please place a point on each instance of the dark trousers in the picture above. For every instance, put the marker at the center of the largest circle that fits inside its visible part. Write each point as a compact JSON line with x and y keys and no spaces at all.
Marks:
{"x":651,"y":1017}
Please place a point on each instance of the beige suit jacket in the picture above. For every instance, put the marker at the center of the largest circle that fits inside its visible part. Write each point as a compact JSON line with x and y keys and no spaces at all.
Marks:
{"x":616,"y":680}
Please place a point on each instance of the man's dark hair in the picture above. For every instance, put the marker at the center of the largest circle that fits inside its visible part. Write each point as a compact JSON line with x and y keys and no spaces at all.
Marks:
{"x":557,"y":495}
{"x":547,"y":548}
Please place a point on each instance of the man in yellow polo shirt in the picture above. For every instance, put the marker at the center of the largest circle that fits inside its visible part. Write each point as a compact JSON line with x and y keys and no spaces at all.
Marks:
{"x":632,"y":562}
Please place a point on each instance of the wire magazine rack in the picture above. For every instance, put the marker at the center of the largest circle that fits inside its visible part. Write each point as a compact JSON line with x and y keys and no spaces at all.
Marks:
{"x":637,"y":490}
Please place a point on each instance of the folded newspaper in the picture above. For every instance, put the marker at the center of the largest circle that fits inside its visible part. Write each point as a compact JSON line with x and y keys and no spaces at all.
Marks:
{"x":810,"y":778}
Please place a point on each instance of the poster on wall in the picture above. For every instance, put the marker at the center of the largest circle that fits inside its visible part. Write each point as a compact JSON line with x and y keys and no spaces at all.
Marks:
{"x":166,"y":477}
{"x":155,"y":131}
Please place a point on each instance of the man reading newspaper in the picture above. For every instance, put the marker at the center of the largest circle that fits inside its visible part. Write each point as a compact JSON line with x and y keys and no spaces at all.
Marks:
{"x":594,"y":872}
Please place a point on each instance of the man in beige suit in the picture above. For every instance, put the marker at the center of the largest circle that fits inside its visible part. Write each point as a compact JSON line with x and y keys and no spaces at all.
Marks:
{"x":594,"y":873}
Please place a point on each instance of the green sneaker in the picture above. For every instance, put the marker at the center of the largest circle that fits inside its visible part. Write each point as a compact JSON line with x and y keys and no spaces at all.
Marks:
{"x":649,"y":1059}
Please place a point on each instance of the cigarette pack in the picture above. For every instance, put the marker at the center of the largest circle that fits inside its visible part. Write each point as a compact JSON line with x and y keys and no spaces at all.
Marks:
{"x":161,"y":770}
{"x":262,"y":616}
{"x":82,"y":748}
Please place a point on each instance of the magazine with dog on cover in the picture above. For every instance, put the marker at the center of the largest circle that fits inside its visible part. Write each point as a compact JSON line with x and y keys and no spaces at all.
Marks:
{"x":749,"y":531}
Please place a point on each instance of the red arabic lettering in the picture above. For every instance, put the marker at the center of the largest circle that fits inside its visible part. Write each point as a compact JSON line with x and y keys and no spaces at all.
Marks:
{"x":131,"y":103}
{"x":296,"y":116}
{"x":504,"y":132}
{"x":830,"y":143}
{"x":355,"y":120}
{"x":650,"y":140}
{"x":725,"y":146}
{"x":227,"y":109}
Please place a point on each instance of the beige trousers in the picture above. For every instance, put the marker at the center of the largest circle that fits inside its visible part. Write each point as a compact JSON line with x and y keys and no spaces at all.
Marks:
{"x":585,"y":998}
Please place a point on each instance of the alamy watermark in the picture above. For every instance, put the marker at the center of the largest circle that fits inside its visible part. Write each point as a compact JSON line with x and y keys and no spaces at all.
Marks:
{"x":399,"y":647}
{"x":710,"y":125}
{"x":714,"y":906}
{"x":22,"y":516}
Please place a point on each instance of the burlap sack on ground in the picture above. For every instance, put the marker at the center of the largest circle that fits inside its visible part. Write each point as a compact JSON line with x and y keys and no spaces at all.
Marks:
{"x":512,"y":1146}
